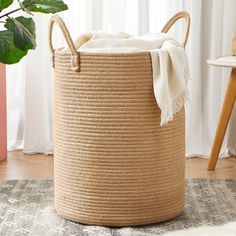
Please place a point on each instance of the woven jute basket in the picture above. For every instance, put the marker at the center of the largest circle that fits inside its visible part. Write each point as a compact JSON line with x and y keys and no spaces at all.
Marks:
{"x":114,"y":164}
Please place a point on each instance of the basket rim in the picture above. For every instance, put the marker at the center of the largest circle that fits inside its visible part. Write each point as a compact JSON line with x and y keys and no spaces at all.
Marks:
{"x":61,"y":51}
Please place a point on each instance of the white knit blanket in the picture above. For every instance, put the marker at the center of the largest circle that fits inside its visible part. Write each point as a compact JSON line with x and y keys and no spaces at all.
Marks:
{"x":169,"y":64}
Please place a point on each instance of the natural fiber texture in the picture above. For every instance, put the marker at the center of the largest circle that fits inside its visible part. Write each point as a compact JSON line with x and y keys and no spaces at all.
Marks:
{"x":176,"y":17}
{"x":74,"y":54}
{"x":170,"y":67}
{"x":114,"y":164}
{"x":26,"y":208}
{"x":169,"y":61}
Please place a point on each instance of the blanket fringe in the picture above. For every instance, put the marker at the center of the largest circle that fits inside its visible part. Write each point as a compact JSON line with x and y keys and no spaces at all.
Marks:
{"x":178,"y":103}
{"x":168,"y":113}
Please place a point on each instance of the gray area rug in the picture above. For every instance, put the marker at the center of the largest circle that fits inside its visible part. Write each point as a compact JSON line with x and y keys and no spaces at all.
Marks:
{"x":26,"y":208}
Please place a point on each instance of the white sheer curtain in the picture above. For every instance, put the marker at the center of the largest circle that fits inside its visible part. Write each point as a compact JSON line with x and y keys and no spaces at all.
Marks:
{"x":212,"y":28}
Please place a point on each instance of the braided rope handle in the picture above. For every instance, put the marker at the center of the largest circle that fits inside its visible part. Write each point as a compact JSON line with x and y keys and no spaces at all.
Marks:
{"x":173,"y":19}
{"x":75,"y":55}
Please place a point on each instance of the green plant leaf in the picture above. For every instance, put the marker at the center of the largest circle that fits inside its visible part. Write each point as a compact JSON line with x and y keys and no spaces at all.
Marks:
{"x":9,"y":53}
{"x":23,"y":30}
{"x":22,"y":6}
{"x":4,"y":4}
{"x":45,"y":6}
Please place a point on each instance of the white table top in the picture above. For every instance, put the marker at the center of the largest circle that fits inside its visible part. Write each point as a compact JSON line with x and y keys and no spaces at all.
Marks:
{"x":226,"y":61}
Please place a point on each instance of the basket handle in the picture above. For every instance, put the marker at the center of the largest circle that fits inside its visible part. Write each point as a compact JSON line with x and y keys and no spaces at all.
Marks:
{"x":75,"y":55}
{"x":173,"y":19}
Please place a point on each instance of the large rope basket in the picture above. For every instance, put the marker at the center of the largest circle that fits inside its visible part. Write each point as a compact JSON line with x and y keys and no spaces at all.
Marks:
{"x":114,"y":164}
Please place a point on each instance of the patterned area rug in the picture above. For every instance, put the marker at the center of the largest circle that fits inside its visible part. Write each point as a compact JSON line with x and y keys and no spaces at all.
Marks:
{"x":26,"y":208}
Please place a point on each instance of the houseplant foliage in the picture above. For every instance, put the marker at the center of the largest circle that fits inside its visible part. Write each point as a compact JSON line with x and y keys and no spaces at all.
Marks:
{"x":18,"y":35}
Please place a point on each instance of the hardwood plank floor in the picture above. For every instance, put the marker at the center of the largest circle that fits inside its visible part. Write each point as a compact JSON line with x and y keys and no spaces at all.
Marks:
{"x":22,"y":166}
{"x":38,"y":166}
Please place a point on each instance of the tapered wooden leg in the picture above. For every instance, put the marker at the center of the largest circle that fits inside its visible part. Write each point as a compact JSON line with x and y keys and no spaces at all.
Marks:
{"x":224,"y":120}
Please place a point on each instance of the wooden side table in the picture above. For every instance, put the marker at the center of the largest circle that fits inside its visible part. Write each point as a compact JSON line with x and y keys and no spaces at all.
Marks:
{"x":227,"y":108}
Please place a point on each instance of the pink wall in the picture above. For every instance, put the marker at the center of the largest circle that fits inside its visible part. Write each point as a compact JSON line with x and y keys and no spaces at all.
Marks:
{"x":3,"y":121}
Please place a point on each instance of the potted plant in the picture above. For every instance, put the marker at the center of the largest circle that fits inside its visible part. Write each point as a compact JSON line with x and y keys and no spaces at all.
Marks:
{"x":16,"y":38}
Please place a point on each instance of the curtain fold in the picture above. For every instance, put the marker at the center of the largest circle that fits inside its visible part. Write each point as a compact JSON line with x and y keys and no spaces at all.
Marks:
{"x":29,"y":83}
{"x":213,"y":26}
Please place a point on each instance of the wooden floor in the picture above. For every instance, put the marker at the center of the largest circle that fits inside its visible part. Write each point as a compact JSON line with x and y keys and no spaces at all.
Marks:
{"x":21,"y":166}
